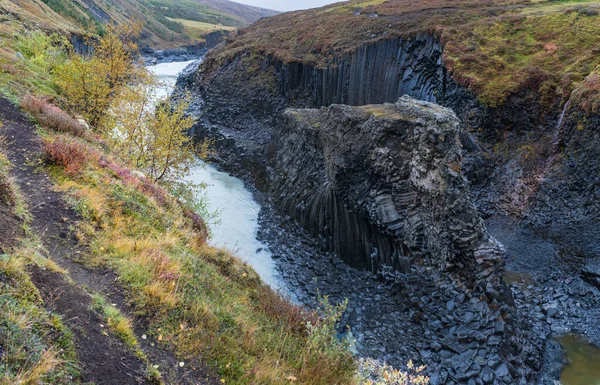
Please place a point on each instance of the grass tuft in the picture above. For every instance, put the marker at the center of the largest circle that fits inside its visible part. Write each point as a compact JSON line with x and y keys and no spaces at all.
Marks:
{"x":119,"y":324}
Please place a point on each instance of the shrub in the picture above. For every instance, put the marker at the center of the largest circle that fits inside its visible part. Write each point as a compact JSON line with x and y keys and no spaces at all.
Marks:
{"x":91,"y":84}
{"x":52,"y":117}
{"x":374,"y":372}
{"x":69,"y":154}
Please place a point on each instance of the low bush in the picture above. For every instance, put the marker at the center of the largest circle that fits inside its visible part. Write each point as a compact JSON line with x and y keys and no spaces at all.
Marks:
{"x":52,"y":117}
{"x":374,"y":372}
{"x":66,"y":153}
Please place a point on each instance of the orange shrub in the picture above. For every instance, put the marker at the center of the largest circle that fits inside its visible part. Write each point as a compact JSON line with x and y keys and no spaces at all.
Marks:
{"x":51,"y":116}
{"x":69,"y":154}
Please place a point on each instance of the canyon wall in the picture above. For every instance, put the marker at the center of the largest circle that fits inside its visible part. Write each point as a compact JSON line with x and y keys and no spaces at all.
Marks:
{"x":375,"y":73}
{"x":509,"y":156}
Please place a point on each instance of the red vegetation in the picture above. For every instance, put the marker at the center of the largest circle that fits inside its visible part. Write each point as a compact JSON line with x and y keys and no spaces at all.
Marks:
{"x":136,"y":180}
{"x":67,"y":153}
{"x":51,"y":116}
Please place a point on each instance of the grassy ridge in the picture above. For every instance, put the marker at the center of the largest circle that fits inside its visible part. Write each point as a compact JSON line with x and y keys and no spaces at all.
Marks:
{"x":494,"y":48}
{"x":160,"y":30}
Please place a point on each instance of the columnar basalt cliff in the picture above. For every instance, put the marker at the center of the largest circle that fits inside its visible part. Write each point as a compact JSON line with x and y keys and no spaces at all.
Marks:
{"x":374,"y":73}
{"x":249,"y":92}
{"x":257,"y":87}
{"x":382,"y":185}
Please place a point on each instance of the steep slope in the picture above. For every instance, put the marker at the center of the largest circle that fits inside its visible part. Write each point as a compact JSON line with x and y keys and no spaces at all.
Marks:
{"x":166,"y":23}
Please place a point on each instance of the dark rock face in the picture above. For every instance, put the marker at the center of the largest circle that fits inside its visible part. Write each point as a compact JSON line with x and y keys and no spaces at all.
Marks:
{"x":376,"y":73}
{"x":382,"y":185}
{"x":81,"y":44}
{"x":591,"y":273}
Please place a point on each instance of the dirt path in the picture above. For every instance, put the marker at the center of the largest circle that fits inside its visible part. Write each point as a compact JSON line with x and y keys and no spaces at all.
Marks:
{"x":105,"y":359}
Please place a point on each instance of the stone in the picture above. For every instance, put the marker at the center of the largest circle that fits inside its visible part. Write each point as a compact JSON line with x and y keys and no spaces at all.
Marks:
{"x":450,"y":305}
{"x":502,"y":370}
{"x":591,"y":273}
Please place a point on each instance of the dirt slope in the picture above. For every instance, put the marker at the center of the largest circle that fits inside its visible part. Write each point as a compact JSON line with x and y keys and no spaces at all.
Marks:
{"x":104,"y":358}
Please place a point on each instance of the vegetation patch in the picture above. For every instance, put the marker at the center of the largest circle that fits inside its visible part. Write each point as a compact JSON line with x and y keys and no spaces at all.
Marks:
{"x":51,"y":116}
{"x":36,"y":346}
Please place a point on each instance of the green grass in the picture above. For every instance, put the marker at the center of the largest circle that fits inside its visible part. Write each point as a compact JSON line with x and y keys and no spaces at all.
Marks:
{"x":73,"y":12}
{"x":552,"y":52}
{"x":118,"y":324}
{"x":33,"y":72}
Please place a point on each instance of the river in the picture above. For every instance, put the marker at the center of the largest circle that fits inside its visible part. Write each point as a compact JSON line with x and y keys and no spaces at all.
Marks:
{"x":237,"y":227}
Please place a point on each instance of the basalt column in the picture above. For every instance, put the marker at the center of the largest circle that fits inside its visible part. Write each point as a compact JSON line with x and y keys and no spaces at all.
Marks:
{"x":382,"y":184}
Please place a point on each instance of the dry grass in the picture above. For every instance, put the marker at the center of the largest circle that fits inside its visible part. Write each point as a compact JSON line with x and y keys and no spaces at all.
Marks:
{"x":36,"y":373}
{"x":52,"y":117}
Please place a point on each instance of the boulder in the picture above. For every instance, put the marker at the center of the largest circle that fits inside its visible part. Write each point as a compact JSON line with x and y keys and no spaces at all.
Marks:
{"x":382,"y":184}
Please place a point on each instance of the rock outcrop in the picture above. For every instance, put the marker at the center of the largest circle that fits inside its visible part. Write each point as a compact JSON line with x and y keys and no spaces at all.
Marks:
{"x":382,"y":184}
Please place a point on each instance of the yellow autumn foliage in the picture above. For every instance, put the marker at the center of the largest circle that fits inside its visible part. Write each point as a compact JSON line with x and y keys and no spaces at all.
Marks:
{"x":90,"y":84}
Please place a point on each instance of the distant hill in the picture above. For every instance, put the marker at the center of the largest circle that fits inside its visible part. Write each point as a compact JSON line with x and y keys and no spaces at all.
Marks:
{"x":167,"y":23}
